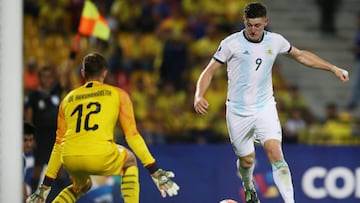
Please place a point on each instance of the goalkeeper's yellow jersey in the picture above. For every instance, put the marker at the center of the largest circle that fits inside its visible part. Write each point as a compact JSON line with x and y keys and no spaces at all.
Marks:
{"x":86,"y":121}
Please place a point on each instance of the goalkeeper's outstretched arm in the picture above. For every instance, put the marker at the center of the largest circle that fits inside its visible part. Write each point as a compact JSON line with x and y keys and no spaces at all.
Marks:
{"x":54,"y":165}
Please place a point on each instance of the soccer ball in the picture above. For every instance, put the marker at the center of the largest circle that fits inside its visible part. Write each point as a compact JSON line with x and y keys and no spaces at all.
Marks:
{"x":228,"y":201}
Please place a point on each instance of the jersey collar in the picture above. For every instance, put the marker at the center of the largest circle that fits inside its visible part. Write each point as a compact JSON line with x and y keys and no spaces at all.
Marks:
{"x":253,"y":41}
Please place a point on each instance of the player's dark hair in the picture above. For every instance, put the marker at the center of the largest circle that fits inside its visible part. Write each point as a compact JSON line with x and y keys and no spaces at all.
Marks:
{"x":255,"y":10}
{"x":93,"y":65}
{"x":28,"y":128}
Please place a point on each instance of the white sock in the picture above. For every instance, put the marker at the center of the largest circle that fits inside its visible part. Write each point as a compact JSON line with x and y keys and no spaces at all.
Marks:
{"x":282,"y":179}
{"x":246,"y":176}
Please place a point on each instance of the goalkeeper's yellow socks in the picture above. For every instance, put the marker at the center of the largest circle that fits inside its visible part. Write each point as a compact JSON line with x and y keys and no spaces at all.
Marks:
{"x":130,"y":185}
{"x":282,"y":179}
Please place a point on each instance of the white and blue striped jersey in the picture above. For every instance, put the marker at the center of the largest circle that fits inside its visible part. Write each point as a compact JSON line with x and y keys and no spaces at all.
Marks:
{"x":249,"y":66}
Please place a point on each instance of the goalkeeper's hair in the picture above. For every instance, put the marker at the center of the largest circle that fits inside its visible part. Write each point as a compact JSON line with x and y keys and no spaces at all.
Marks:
{"x":93,"y":65}
{"x":255,"y":10}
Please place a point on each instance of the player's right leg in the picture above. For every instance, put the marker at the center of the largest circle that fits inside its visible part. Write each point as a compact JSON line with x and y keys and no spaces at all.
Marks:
{"x":246,"y":167}
{"x":242,"y":138}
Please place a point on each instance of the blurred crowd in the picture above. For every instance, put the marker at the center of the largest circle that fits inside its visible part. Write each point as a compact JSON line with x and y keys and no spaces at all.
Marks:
{"x":156,"y":52}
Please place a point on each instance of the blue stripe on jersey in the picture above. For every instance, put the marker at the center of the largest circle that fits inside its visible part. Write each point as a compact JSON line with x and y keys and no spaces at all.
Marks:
{"x":245,"y":67}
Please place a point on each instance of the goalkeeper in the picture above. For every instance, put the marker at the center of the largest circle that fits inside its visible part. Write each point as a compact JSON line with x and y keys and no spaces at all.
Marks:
{"x":84,"y":140}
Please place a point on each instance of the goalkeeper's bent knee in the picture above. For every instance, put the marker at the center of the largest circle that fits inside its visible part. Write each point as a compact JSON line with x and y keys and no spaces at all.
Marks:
{"x":71,"y":194}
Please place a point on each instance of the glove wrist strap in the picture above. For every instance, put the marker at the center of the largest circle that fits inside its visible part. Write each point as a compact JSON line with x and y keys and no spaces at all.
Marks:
{"x":48,"y":181}
{"x":152,"y":168}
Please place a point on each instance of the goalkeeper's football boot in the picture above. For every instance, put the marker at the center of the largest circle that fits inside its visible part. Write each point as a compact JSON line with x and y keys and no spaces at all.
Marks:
{"x":251,"y":197}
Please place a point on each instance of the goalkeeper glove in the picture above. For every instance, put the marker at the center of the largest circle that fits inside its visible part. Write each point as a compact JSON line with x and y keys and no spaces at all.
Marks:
{"x":163,"y":182}
{"x":40,"y":195}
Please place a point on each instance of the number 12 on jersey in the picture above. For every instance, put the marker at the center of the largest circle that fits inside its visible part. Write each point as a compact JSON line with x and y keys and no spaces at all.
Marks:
{"x":79,"y":112}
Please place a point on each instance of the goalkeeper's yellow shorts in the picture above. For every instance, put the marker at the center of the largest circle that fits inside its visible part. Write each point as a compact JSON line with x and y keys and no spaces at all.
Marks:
{"x":81,"y":167}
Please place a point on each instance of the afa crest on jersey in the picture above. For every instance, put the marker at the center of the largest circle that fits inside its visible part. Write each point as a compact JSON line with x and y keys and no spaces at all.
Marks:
{"x":269,"y":52}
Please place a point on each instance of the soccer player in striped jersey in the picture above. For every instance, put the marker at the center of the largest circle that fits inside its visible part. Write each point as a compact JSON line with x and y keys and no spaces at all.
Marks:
{"x":250,"y":105}
{"x":85,"y":145}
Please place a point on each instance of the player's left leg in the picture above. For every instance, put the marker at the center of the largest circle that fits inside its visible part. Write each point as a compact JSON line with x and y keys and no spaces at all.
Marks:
{"x":281,"y":171}
{"x":268,"y":130}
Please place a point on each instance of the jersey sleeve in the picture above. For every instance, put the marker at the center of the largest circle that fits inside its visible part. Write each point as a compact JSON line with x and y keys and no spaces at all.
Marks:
{"x":284,"y":44}
{"x":132,"y":136}
{"x":55,"y":157}
{"x":223,"y":52}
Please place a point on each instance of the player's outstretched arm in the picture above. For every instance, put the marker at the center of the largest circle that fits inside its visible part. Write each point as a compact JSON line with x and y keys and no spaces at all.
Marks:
{"x":311,"y":60}
{"x":54,"y":165}
{"x":164,"y":183}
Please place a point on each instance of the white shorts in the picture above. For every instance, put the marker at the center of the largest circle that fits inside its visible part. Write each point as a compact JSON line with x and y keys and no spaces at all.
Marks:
{"x":244,"y":130}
